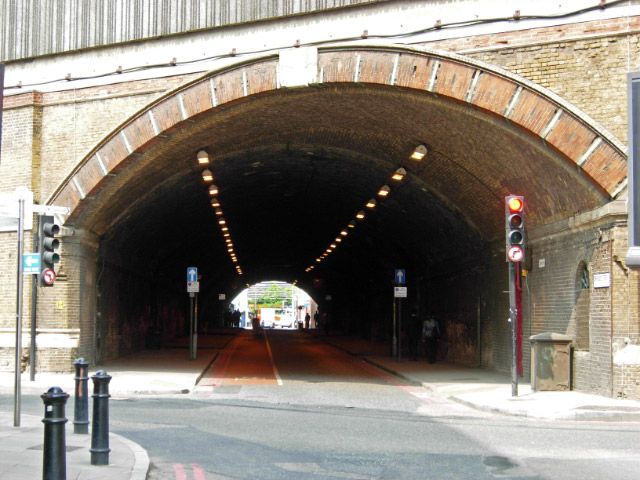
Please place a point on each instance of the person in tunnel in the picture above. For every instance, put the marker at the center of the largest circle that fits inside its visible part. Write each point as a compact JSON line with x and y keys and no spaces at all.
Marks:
{"x":430,"y":334}
{"x":307,"y":320}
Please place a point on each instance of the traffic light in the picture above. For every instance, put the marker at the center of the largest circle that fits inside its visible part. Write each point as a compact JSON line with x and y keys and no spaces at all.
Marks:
{"x":48,"y":246}
{"x":514,"y":223}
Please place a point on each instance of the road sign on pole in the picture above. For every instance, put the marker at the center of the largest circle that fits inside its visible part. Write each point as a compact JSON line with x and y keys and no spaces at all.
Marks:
{"x":31,"y":263}
{"x":9,"y":211}
{"x":400,"y":292}
{"x":193,"y":286}
{"x":400,"y":277}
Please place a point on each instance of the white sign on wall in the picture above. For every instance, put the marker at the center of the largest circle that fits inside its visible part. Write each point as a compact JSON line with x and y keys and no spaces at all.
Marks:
{"x":601,"y":280}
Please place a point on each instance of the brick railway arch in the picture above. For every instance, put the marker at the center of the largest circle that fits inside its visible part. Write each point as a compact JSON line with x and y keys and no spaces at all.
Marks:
{"x":347,"y":117}
{"x":510,"y":99}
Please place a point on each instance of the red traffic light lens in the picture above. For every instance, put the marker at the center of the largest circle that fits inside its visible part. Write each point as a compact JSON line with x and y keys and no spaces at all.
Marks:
{"x":515,"y":204}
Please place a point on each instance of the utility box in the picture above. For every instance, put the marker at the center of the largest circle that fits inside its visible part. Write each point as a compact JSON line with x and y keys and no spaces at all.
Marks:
{"x":550,"y":361}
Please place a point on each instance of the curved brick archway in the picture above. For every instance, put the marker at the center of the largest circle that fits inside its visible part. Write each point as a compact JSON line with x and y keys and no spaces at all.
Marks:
{"x":472,"y":85}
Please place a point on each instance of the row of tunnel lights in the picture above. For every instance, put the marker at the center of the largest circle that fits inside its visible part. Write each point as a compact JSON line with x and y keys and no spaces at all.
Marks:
{"x":419,"y":153}
{"x":207,"y":177}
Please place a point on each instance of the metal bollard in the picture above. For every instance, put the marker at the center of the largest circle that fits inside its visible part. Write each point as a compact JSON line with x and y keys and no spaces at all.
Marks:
{"x":100,"y":429}
{"x":54,"y":460}
{"x":81,"y":403}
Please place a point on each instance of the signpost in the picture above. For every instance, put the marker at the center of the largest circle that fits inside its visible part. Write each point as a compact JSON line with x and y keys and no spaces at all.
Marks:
{"x":399,"y":292}
{"x":193,"y":287}
{"x":16,"y":215}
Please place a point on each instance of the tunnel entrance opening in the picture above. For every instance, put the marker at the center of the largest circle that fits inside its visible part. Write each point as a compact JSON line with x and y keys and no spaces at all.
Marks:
{"x":294,"y":168}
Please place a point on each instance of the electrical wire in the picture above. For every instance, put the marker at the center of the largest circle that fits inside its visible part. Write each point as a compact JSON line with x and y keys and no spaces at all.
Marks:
{"x":437,"y":27}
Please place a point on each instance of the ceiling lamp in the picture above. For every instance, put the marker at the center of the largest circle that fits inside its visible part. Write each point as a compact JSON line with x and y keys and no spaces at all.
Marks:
{"x":399,"y":174}
{"x":207,"y":176}
{"x":419,"y":153}
{"x":371,"y":203}
{"x":352,"y":224}
{"x":344,"y":233}
{"x":338,"y":239}
{"x":219,"y":212}
{"x":222,"y":221}
{"x":213,"y":190}
{"x":215,"y":203}
{"x":359,"y":216}
{"x":227,"y":234}
{"x":384,"y":191}
{"x":333,"y":245}
{"x":203,"y":157}
{"x":225,"y":229}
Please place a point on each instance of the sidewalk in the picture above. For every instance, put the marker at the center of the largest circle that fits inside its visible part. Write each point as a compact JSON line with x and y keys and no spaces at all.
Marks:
{"x":161,"y":372}
{"x":170,"y":371}
{"x":490,"y":391}
{"x":22,"y":455}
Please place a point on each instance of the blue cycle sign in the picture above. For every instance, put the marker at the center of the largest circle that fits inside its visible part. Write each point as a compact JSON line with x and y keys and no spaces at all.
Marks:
{"x":192,"y":280}
{"x":31,"y":263}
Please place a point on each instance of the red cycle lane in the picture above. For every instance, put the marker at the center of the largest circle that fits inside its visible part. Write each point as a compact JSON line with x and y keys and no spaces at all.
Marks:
{"x":245,"y":361}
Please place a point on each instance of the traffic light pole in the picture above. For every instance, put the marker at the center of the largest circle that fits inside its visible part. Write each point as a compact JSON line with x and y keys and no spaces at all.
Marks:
{"x":514,"y":269}
{"x":34,"y":308}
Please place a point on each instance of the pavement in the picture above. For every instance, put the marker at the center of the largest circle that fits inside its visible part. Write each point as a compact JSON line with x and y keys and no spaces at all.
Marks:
{"x":170,"y":372}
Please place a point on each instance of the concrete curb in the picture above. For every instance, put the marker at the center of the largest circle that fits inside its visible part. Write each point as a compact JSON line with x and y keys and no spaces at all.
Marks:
{"x":141,"y":462}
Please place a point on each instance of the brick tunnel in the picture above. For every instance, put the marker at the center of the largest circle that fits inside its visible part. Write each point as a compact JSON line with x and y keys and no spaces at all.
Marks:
{"x":294,"y":161}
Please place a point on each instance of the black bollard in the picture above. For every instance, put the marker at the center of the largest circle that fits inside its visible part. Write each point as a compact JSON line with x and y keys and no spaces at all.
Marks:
{"x":100,"y":429}
{"x":81,"y":404}
{"x":54,"y":460}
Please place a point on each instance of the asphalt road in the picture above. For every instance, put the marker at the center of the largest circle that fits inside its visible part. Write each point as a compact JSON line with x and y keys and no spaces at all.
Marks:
{"x":286,"y":406}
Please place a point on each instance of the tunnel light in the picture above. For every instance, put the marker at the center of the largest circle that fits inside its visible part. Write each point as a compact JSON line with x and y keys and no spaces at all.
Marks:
{"x":359,"y":216}
{"x":328,"y":250}
{"x":333,"y":245}
{"x":419,"y":153}
{"x":213,"y":190}
{"x":371,"y":203}
{"x":352,"y":224}
{"x":399,"y":174}
{"x":338,"y":239}
{"x":207,"y":176}
{"x":319,"y":259}
{"x":215,"y":203}
{"x":225,"y":229}
{"x":234,"y":260}
{"x":218,"y":212}
{"x":226,"y":234}
{"x":222,"y":221}
{"x":384,"y":191}
{"x":203,"y":157}
{"x":230,"y":250}
{"x":344,"y":233}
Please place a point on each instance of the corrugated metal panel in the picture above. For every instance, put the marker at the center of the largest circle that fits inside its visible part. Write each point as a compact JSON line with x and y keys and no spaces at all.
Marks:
{"x":30,"y":28}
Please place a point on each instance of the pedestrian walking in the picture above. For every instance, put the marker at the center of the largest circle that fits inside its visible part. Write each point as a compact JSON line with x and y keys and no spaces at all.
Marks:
{"x":430,"y":334}
{"x":316,"y":319}
{"x":307,"y":320}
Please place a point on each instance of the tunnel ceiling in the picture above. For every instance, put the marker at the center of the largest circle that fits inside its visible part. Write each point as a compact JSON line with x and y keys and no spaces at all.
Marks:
{"x":294,"y":166}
